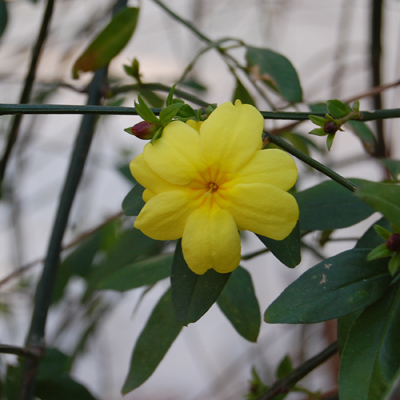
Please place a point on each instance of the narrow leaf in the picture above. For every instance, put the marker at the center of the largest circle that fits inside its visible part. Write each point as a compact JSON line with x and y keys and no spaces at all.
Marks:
{"x":133,"y":201}
{"x":382,"y":197}
{"x":160,"y":332}
{"x":337,"y":108}
{"x":108,"y":43}
{"x":145,"y":111}
{"x":371,"y":356}
{"x":275,"y":70}
{"x":239,"y":304}
{"x":330,"y":206}
{"x":141,"y":273}
{"x":169,"y":112}
{"x":192,"y":294}
{"x":288,"y":251}
{"x":370,"y":239}
{"x":336,"y":286}
{"x":242,"y":94}
{"x":393,"y":166}
{"x":364,"y":133}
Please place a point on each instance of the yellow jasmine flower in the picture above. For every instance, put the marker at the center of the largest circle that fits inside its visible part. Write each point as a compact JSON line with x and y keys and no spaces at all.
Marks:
{"x":206,"y":181}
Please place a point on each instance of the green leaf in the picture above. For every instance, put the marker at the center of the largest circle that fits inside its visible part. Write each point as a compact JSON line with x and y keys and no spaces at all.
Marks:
{"x":145,"y":112}
{"x":334,"y":287}
{"x":338,"y":109}
{"x":141,"y":273}
{"x":371,"y":239}
{"x":125,"y":171}
{"x":3,"y":16}
{"x":344,"y":325}
{"x":287,"y":251}
{"x":394,"y":263}
{"x":393,"y":166}
{"x":371,"y":356}
{"x":239,"y":304}
{"x":161,"y":330}
{"x":111,"y":40}
{"x":187,"y":111}
{"x":330,"y":206}
{"x":285,"y":367}
{"x":192,"y":294}
{"x":53,"y":363}
{"x":277,"y":71}
{"x":382,"y":197}
{"x":320,"y":121}
{"x":152,"y":98}
{"x":242,"y":94}
{"x":365,"y":134}
{"x":133,"y":201}
{"x":168,"y":113}
{"x":329,"y":140}
{"x":379,"y":252}
{"x":382,"y":232}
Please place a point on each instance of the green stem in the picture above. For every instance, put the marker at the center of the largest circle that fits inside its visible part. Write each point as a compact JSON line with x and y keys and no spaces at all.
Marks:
{"x":12,"y":109}
{"x":285,"y":384}
{"x":18,"y":351}
{"x":310,"y":161}
{"x":26,"y":92}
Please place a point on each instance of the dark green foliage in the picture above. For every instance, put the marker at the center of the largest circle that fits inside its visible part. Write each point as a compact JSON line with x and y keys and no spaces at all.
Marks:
{"x":192,"y":294}
{"x":133,"y":201}
{"x":330,"y":206}
{"x":288,"y":251}
{"x":336,"y":286}
{"x":239,"y":304}
{"x":161,"y":330}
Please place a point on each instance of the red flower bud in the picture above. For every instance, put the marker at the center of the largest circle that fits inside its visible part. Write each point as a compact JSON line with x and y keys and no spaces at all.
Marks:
{"x":393,"y":243}
{"x":144,"y":130}
{"x":330,"y":127}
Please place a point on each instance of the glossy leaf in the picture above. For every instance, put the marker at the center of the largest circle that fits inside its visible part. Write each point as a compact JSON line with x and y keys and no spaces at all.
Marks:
{"x":108,"y":43}
{"x":382,"y":197}
{"x":192,"y":294}
{"x":370,"y":359}
{"x":133,"y":201}
{"x":330,"y":206}
{"x":242,"y":94}
{"x":336,"y":286}
{"x":288,"y":251}
{"x":337,"y":108}
{"x":160,"y":331}
{"x":239,"y":304}
{"x":141,"y":273}
{"x":275,"y":70}
{"x":344,"y":325}
{"x":3,"y":16}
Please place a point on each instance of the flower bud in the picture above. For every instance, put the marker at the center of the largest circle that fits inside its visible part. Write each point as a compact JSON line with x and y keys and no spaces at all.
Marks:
{"x":144,"y":130}
{"x":393,"y":242}
{"x":330,"y":127}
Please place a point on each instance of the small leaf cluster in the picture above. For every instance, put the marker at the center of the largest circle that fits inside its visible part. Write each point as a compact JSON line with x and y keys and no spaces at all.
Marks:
{"x":391,"y":248}
{"x":176,"y":109}
{"x":338,"y":114}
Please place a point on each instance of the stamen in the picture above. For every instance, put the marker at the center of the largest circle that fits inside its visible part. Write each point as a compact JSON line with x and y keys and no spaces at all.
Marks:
{"x":212,"y":187}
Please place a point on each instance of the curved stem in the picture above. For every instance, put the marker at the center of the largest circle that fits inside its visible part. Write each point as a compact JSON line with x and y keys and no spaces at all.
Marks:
{"x":285,"y":384}
{"x":26,"y":92}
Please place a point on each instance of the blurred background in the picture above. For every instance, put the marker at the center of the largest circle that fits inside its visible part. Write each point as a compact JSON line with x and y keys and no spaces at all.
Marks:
{"x":329,"y":44}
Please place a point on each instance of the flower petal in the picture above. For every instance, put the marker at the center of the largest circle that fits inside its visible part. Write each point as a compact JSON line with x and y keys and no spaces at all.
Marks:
{"x":148,"y":178}
{"x":230,"y":135}
{"x":176,"y":155}
{"x":272,"y":166}
{"x":164,"y":216}
{"x":263,"y":209}
{"x":211,"y":240}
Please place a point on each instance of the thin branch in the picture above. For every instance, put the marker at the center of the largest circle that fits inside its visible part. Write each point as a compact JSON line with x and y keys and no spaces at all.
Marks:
{"x":21,"y":351}
{"x":285,"y":384}
{"x":11,"y":109}
{"x":26,"y":92}
{"x":308,"y":160}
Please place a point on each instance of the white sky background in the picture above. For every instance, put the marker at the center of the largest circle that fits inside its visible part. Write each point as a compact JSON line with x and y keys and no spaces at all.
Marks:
{"x":308,"y":33}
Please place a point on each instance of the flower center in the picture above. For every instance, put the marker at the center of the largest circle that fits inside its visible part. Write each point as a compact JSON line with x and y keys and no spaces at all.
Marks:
{"x":212,"y":187}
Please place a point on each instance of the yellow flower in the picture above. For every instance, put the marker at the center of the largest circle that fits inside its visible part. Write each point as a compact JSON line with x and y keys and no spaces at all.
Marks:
{"x":205,"y":182}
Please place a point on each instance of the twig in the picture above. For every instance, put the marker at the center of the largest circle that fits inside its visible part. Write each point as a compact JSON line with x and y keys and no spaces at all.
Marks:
{"x":26,"y":93}
{"x":285,"y":384}
{"x":21,"y":351}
